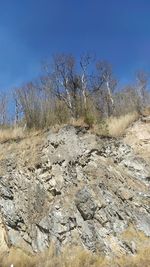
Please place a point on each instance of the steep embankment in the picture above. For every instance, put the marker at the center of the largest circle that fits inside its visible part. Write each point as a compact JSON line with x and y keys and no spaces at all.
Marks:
{"x":75,"y":188}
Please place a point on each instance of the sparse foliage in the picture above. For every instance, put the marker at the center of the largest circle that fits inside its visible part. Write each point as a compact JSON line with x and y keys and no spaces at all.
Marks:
{"x":71,"y":89}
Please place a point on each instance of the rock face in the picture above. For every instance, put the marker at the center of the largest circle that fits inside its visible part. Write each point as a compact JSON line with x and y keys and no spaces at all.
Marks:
{"x":81,"y":190}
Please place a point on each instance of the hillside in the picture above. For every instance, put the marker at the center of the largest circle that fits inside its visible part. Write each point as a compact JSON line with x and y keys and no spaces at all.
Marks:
{"x":73,"y":188}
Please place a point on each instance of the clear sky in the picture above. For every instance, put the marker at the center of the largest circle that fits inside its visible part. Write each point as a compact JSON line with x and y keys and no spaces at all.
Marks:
{"x":33,"y":30}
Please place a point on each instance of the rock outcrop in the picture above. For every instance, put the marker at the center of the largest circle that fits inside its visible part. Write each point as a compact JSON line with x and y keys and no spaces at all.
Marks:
{"x":81,"y":190}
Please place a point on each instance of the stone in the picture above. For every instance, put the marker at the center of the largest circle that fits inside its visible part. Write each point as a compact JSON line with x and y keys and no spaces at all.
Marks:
{"x":125,"y":194}
{"x":85,"y":204}
{"x":82,"y":190}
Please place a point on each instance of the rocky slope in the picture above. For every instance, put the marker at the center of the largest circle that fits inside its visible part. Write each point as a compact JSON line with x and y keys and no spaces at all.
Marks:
{"x":74,"y":188}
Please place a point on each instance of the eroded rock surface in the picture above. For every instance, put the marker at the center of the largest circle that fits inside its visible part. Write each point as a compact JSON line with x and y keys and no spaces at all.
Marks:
{"x":81,"y":190}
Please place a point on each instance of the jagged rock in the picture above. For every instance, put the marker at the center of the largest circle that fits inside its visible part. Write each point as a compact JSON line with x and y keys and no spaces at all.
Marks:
{"x":123,"y":155}
{"x":82,"y":190}
{"x":85,"y":204}
{"x":143,"y":222}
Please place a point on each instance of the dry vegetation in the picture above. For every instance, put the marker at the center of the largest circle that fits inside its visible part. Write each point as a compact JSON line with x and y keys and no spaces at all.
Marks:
{"x":114,"y":127}
{"x":11,"y":134}
{"x":146,"y":111}
{"x":83,"y":91}
{"x":67,"y":90}
{"x":118,"y":125}
{"x":76,"y":257}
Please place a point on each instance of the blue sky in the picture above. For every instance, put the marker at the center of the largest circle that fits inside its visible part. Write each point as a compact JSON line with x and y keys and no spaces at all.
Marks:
{"x":34,"y":30}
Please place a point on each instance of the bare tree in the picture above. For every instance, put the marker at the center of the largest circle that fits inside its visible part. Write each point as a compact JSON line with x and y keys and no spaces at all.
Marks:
{"x":126,"y":101}
{"x":142,"y":82}
{"x":17,"y":107}
{"x":29,"y":99}
{"x":85,"y":88}
{"x":104,"y":86}
{"x":3,"y":108}
{"x":66,"y":82}
{"x":85,"y":62}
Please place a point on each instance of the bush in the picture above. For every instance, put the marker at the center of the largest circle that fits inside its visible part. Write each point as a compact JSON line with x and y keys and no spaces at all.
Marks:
{"x":89,"y":118}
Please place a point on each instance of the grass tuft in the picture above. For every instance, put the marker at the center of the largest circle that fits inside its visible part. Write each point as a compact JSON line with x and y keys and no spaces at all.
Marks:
{"x":118,"y":125}
{"x":11,"y":134}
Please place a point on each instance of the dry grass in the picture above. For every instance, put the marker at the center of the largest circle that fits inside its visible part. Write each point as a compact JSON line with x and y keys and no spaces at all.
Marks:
{"x":142,"y":259}
{"x":11,"y":134}
{"x":146,"y":111}
{"x":75,"y":257}
{"x":15,"y":134}
{"x":16,"y":257}
{"x":78,"y":122}
{"x":69,"y":258}
{"x":114,"y":126}
{"x":118,"y":125}
{"x":23,"y":145}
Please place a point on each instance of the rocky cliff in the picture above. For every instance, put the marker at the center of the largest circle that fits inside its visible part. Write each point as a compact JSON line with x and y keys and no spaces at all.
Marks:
{"x":74,"y":188}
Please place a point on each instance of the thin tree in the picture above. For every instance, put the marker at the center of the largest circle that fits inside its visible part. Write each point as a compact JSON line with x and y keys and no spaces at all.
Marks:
{"x":66,"y":82}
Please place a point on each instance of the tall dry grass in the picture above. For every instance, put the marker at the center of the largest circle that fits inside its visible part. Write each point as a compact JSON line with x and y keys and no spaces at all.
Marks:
{"x":114,"y":126}
{"x":75,"y":257}
{"x":16,"y":258}
{"x":11,"y":133}
{"x":118,"y":125}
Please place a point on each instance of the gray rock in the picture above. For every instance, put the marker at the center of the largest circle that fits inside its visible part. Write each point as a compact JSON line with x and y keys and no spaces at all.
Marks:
{"x":83,"y":191}
{"x":85,"y":204}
